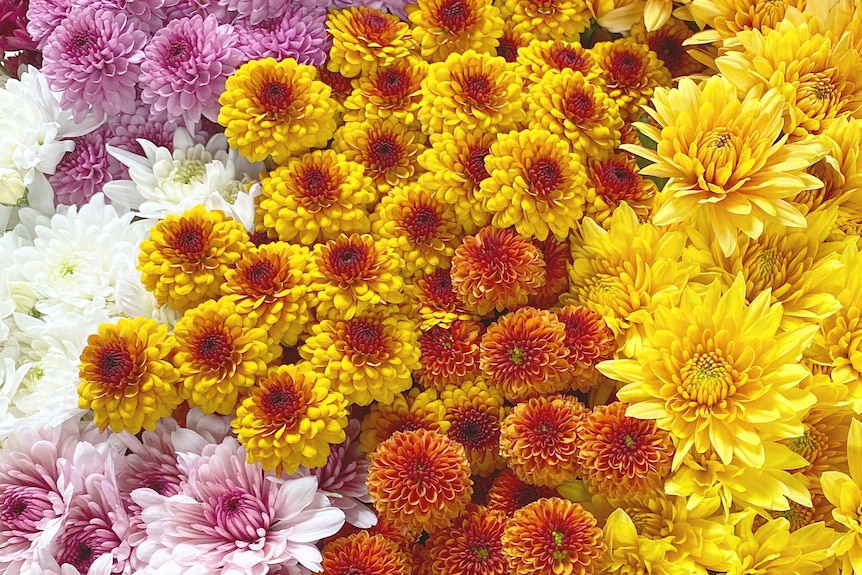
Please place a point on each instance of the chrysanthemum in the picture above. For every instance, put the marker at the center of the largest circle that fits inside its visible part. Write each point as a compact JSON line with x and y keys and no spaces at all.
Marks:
{"x":589,"y":341}
{"x":536,"y":184}
{"x":524,"y":354}
{"x":341,"y":86}
{"x":369,"y":357}
{"x":668,"y":44}
{"x":219,"y":353}
{"x":442,"y":27}
{"x":290,"y":418}
{"x":548,"y":19}
{"x":420,"y":478}
{"x":354,"y":274}
{"x":511,"y":42}
{"x":472,"y":545}
{"x":455,"y":166}
{"x":449,"y":356}
{"x":632,"y":552}
{"x":125,"y":129}
{"x":569,"y":105}
{"x":844,"y":493}
{"x":93,"y":58}
{"x":365,"y":554}
{"x":471,"y":90}
{"x":83,"y":171}
{"x":727,"y":17}
{"x":406,"y":412}
{"x":737,"y":170}
{"x":276,"y":108}
{"x":271,"y":285}
{"x":422,"y":230}
{"x":717,"y":373}
{"x":508,"y":493}
{"x":557,"y":256}
{"x":390,"y":91}
{"x":496,"y":269}
{"x":185,"y":66}
{"x":474,"y":412}
{"x":540,"y":441}
{"x":629,"y":72}
{"x":553,"y":536}
{"x":387,"y":148}
{"x":316,"y":197}
{"x":126,"y":376}
{"x":364,"y":38}
{"x":300,"y":33}
{"x":435,"y":302}
{"x":612,"y":181}
{"x":185,"y":259}
{"x":540,"y":56}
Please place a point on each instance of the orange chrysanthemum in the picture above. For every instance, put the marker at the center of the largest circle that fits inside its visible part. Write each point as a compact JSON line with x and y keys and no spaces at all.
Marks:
{"x":589,"y":340}
{"x":508,"y":493}
{"x":548,"y":19}
{"x":435,"y":302}
{"x":557,"y":256}
{"x":539,"y":439}
{"x":364,"y":554}
{"x":474,"y":412}
{"x":341,"y":86}
{"x":524,"y":354}
{"x":364,"y":38}
{"x":622,"y":456}
{"x":497,"y":269}
{"x":667,"y":43}
{"x":629,"y":72}
{"x":353,"y":274}
{"x":613,"y":181}
{"x":420,"y":478}
{"x":538,"y":57}
{"x":472,"y":545}
{"x":449,"y":356}
{"x":443,"y":27}
{"x":553,"y":536}
{"x":414,"y":410}
{"x":390,"y":91}
{"x":270,"y":284}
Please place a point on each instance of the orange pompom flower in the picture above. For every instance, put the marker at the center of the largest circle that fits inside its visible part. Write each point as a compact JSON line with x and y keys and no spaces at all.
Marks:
{"x":364,"y":38}
{"x":472,"y":545}
{"x":615,"y":180}
{"x":364,"y":554}
{"x":434,"y":301}
{"x":414,"y":410}
{"x":474,"y":412}
{"x":508,"y":493}
{"x":449,"y":356}
{"x":557,"y":256}
{"x":588,"y":338}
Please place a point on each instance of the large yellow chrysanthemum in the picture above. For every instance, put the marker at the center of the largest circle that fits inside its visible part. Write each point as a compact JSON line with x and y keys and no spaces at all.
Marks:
{"x":623,"y":15}
{"x":536,"y":184}
{"x":845,"y":493}
{"x":726,"y":157}
{"x":443,"y":27}
{"x":630,"y":552}
{"x":393,"y":90}
{"x":724,"y":18}
{"x":364,"y":38}
{"x":547,"y":19}
{"x":717,"y":373}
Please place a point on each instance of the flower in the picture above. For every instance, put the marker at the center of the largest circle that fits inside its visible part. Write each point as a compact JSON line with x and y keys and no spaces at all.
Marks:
{"x":472,"y":545}
{"x":290,"y":418}
{"x":126,"y":376}
{"x":558,"y":257}
{"x":629,"y":551}
{"x":613,"y":181}
{"x":710,"y":178}
{"x":364,"y":38}
{"x":735,"y":376}
{"x":629,"y":72}
{"x":443,"y":27}
{"x":553,"y":536}
{"x":536,"y":184}
{"x":219,"y":353}
{"x":392,"y":90}
{"x":508,"y":493}
{"x":449,"y":356}
{"x":83,"y":171}
{"x":276,"y":108}
{"x":316,"y":197}
{"x":727,"y":17}
{"x":496,"y":269}
{"x":845,"y":494}
{"x":93,"y":57}
{"x":185,"y":258}
{"x":589,"y":340}
{"x":246,"y":522}
{"x":407,"y":411}
{"x":668,"y":43}
{"x":258,"y":10}
{"x":540,"y":441}
{"x":435,"y":301}
{"x":366,"y":554}
{"x":541,"y":56}
{"x":300,"y":33}
{"x":185,"y":66}
{"x":420,"y":478}
{"x":547,"y":19}
{"x":524,"y":354}
{"x":270,"y":284}
{"x":472,"y":90}
{"x":368,"y":358}
{"x":474,"y":412}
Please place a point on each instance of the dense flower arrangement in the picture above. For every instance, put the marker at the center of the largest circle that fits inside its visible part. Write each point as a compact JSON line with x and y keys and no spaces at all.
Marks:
{"x":458,"y":287}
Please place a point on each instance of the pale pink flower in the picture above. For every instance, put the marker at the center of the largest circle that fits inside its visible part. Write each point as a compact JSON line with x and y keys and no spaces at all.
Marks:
{"x":299,"y":34}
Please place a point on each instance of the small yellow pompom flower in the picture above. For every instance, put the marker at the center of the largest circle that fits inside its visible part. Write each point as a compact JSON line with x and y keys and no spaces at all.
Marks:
{"x":392,"y":90}
{"x":629,"y":72}
{"x":219,"y":353}
{"x":548,"y":19}
{"x":127,"y":378}
{"x":185,"y":258}
{"x":539,"y":57}
{"x":475,"y":412}
{"x":443,"y":27}
{"x":612,"y":181}
{"x":276,"y":108}
{"x":316,"y":197}
{"x":291,"y":418}
{"x":536,"y":184}
{"x":364,"y":38}
{"x":415,"y":409}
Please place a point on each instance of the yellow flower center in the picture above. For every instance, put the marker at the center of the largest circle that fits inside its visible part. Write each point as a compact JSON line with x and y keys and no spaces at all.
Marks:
{"x":706,"y":379}
{"x":188,"y":172}
{"x":809,"y":445}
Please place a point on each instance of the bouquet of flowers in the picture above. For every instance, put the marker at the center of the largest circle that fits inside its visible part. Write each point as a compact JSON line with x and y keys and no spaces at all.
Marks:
{"x":430,"y":287}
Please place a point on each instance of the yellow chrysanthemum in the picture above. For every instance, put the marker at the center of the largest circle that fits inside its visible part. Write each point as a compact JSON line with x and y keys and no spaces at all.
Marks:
{"x":316,"y":197}
{"x":629,"y":73}
{"x":184,"y":260}
{"x":615,"y":180}
{"x":276,"y":108}
{"x":623,"y":15}
{"x":726,"y":157}
{"x":475,"y":412}
{"x":270,"y":284}
{"x":717,"y":373}
{"x":624,"y":272}
{"x":725,"y":18}
{"x":630,"y":553}
{"x":421,"y":229}
{"x":434,"y":301}
{"x":511,"y":42}
{"x":567,"y":104}
{"x":539,"y":57}
{"x":547,"y":19}
{"x":845,"y":493}
{"x":369,"y":357}
{"x":443,"y":27}
{"x":127,"y":379}
{"x":393,"y":90}
{"x":404,"y":412}
{"x":220,"y":353}
{"x":536,"y":184}
{"x":364,"y":38}
{"x":471,"y":90}
{"x":669,"y":44}
{"x":291,"y":418}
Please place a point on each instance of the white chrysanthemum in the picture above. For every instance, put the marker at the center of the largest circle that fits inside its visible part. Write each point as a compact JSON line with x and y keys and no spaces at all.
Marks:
{"x":134,"y":300}
{"x":11,"y":377}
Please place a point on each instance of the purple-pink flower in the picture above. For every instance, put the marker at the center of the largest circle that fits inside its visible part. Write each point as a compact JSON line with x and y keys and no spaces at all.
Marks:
{"x":299,"y":34}
{"x":43,"y":17}
{"x":147,"y":15}
{"x":83,"y":171}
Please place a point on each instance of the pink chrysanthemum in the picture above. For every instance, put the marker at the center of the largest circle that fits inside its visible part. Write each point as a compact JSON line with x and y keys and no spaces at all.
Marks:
{"x":256,"y":11}
{"x":83,"y":171}
{"x":397,"y":7}
{"x":13,"y":26}
{"x":299,"y":34}
{"x":148,"y":16}
{"x":43,"y":16}
{"x":185,"y":67}
{"x":176,"y":9}
{"x":94,"y":57}
{"x":127,"y":129}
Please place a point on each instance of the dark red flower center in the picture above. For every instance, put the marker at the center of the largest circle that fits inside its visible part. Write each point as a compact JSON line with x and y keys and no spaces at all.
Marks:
{"x":81,"y":44}
{"x":393,"y":83}
{"x":377,"y":27}
{"x":563,"y":57}
{"x":508,"y":48}
{"x":420,"y":470}
{"x":544,"y":176}
{"x":477,"y":89}
{"x":436,"y":342}
{"x":364,"y":337}
{"x":618,"y":181}
{"x":260,"y":238}
{"x":189,"y":242}
{"x":668,"y":49}
{"x":475,"y":166}
{"x":439,"y":288}
{"x":475,"y":429}
{"x":260,"y":276}
{"x":179,"y":51}
{"x":455,"y":16}
{"x":275,"y":97}
{"x":316,"y":183}
{"x":281,"y":404}
{"x":421,"y":224}
{"x":627,"y":68}
{"x":348,"y":261}
{"x":115,"y":366}
{"x":214,"y":349}
{"x":384,"y":152}
{"x":580,"y":106}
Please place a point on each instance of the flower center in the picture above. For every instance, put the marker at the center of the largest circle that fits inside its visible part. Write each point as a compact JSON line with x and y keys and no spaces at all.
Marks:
{"x":563,"y":57}
{"x":179,"y":51}
{"x":798,"y":515}
{"x":347,"y":261}
{"x":115,"y":367}
{"x":421,"y":224}
{"x":23,"y":508}
{"x":477,"y":89}
{"x":668,"y":49}
{"x":393,"y":84}
{"x":384,"y":153}
{"x":440,"y":288}
{"x":436,"y":342}
{"x":214,"y":349}
{"x":617,"y":181}
{"x":275,"y":97}
{"x":421,"y":471}
{"x":518,"y":356}
{"x":544,"y":177}
{"x":809,"y":445}
{"x":282,"y":404}
{"x":189,"y":171}
{"x":375,"y":24}
{"x":475,"y":429}
{"x":627,"y":69}
{"x":260,"y":276}
{"x":508,"y":48}
{"x":707,"y":380}
{"x":364,"y":337}
{"x":81,"y":45}
{"x":239,"y":516}
{"x":454,"y":16}
{"x":475,"y":165}
{"x":316,"y":184}
{"x":580,"y":106}
{"x":189,"y":242}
